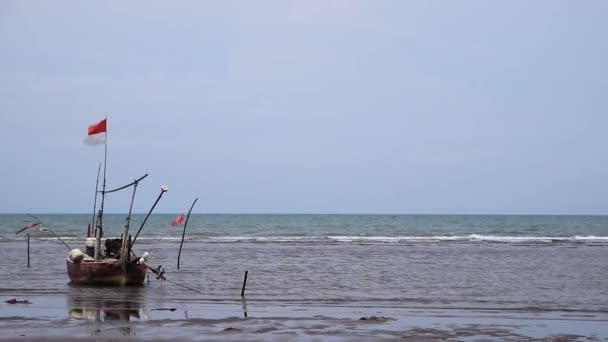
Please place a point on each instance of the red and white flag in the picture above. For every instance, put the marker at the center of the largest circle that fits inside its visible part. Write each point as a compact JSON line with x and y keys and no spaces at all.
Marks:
{"x":97,"y":133}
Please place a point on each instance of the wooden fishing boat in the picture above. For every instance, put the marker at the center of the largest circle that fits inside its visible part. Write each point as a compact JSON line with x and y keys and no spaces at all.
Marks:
{"x":106,"y":272}
{"x":116,"y":265}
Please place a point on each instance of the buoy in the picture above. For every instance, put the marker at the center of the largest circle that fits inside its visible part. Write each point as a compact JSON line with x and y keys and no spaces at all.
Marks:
{"x":76,"y":255}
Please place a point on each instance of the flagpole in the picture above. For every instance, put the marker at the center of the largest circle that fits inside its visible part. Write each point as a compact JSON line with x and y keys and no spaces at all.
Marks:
{"x":95,"y":201}
{"x":103,"y":197}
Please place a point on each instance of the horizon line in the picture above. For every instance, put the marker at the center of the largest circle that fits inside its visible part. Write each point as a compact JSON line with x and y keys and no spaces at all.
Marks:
{"x":313,"y":213}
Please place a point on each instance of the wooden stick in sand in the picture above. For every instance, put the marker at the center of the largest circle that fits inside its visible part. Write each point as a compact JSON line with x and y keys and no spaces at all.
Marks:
{"x":179,"y":254}
{"x":244,"y":284}
{"x":28,"y":250}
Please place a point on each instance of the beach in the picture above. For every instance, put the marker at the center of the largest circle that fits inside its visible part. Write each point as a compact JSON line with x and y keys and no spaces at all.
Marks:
{"x":50,"y":319}
{"x":378,"y":278}
{"x":293,"y":322}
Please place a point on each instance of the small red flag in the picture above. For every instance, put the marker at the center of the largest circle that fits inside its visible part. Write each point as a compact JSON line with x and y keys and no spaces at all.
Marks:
{"x":27,"y":226}
{"x":97,"y":128}
{"x":178,"y":220}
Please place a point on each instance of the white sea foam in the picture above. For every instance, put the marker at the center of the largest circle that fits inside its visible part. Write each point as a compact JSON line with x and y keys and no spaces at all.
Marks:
{"x":496,"y":238}
{"x":63,"y":238}
{"x":286,"y":238}
{"x":346,"y":238}
{"x":376,"y":239}
{"x":591,"y":238}
{"x":232,"y":238}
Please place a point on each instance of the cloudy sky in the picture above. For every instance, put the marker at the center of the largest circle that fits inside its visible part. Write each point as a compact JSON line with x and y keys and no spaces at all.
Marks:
{"x":307,"y":106}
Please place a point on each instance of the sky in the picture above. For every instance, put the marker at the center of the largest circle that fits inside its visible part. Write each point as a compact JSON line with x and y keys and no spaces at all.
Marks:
{"x":432,"y":107}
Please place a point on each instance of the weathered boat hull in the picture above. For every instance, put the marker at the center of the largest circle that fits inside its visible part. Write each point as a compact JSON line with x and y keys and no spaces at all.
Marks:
{"x":105,"y":272}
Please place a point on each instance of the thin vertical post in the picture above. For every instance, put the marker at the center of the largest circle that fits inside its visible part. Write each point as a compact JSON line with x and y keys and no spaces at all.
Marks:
{"x":103,"y":196}
{"x":129,"y":249}
{"x":244,"y":284}
{"x":95,"y":200}
{"x":244,"y":307}
{"x":28,"y":250}
{"x":125,"y":248}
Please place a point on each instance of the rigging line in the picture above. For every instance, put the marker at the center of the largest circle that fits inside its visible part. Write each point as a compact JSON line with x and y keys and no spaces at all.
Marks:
{"x":161,"y":276}
{"x":50,"y":230}
{"x":157,"y":241}
{"x":184,"y":286}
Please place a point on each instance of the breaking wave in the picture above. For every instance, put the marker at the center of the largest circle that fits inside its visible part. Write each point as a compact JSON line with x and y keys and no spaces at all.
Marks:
{"x":408,"y":239}
{"x":364,"y":239}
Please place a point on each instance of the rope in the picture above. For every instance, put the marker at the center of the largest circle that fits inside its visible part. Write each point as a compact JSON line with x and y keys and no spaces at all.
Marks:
{"x":162,"y":277}
{"x":157,"y":241}
{"x":50,"y":230}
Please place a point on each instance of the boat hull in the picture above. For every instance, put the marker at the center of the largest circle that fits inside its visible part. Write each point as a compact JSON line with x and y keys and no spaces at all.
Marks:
{"x":105,"y":272}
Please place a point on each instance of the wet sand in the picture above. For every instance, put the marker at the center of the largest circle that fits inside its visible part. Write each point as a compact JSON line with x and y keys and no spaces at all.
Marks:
{"x":53,"y":318}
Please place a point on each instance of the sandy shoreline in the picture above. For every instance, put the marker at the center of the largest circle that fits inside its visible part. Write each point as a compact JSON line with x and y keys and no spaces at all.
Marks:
{"x":50,"y":318}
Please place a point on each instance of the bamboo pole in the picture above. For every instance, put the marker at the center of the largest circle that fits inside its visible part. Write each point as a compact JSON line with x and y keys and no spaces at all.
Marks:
{"x":125,"y":248}
{"x":244,"y":284}
{"x":163,"y":189}
{"x":28,"y":250}
{"x":99,"y":226}
{"x":179,"y":254}
{"x":95,"y":200}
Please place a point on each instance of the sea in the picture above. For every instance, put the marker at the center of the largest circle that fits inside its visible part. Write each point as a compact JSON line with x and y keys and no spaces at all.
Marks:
{"x":429,"y":262}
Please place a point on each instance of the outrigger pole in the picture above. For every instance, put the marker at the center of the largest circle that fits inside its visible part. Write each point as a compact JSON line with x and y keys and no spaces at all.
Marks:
{"x":163,"y":189}
{"x":128,"y":185}
{"x":50,"y":230}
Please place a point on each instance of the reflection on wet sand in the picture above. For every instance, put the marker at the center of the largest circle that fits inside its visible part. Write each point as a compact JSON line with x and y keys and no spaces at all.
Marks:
{"x":98,"y":304}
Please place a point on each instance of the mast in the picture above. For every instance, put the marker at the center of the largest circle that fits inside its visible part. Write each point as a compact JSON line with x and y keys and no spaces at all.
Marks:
{"x":95,"y":201}
{"x":125,"y":247}
{"x":99,"y":231}
{"x":128,"y":223}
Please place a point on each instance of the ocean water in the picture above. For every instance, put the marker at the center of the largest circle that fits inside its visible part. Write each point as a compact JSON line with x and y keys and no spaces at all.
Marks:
{"x":543,"y":263}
